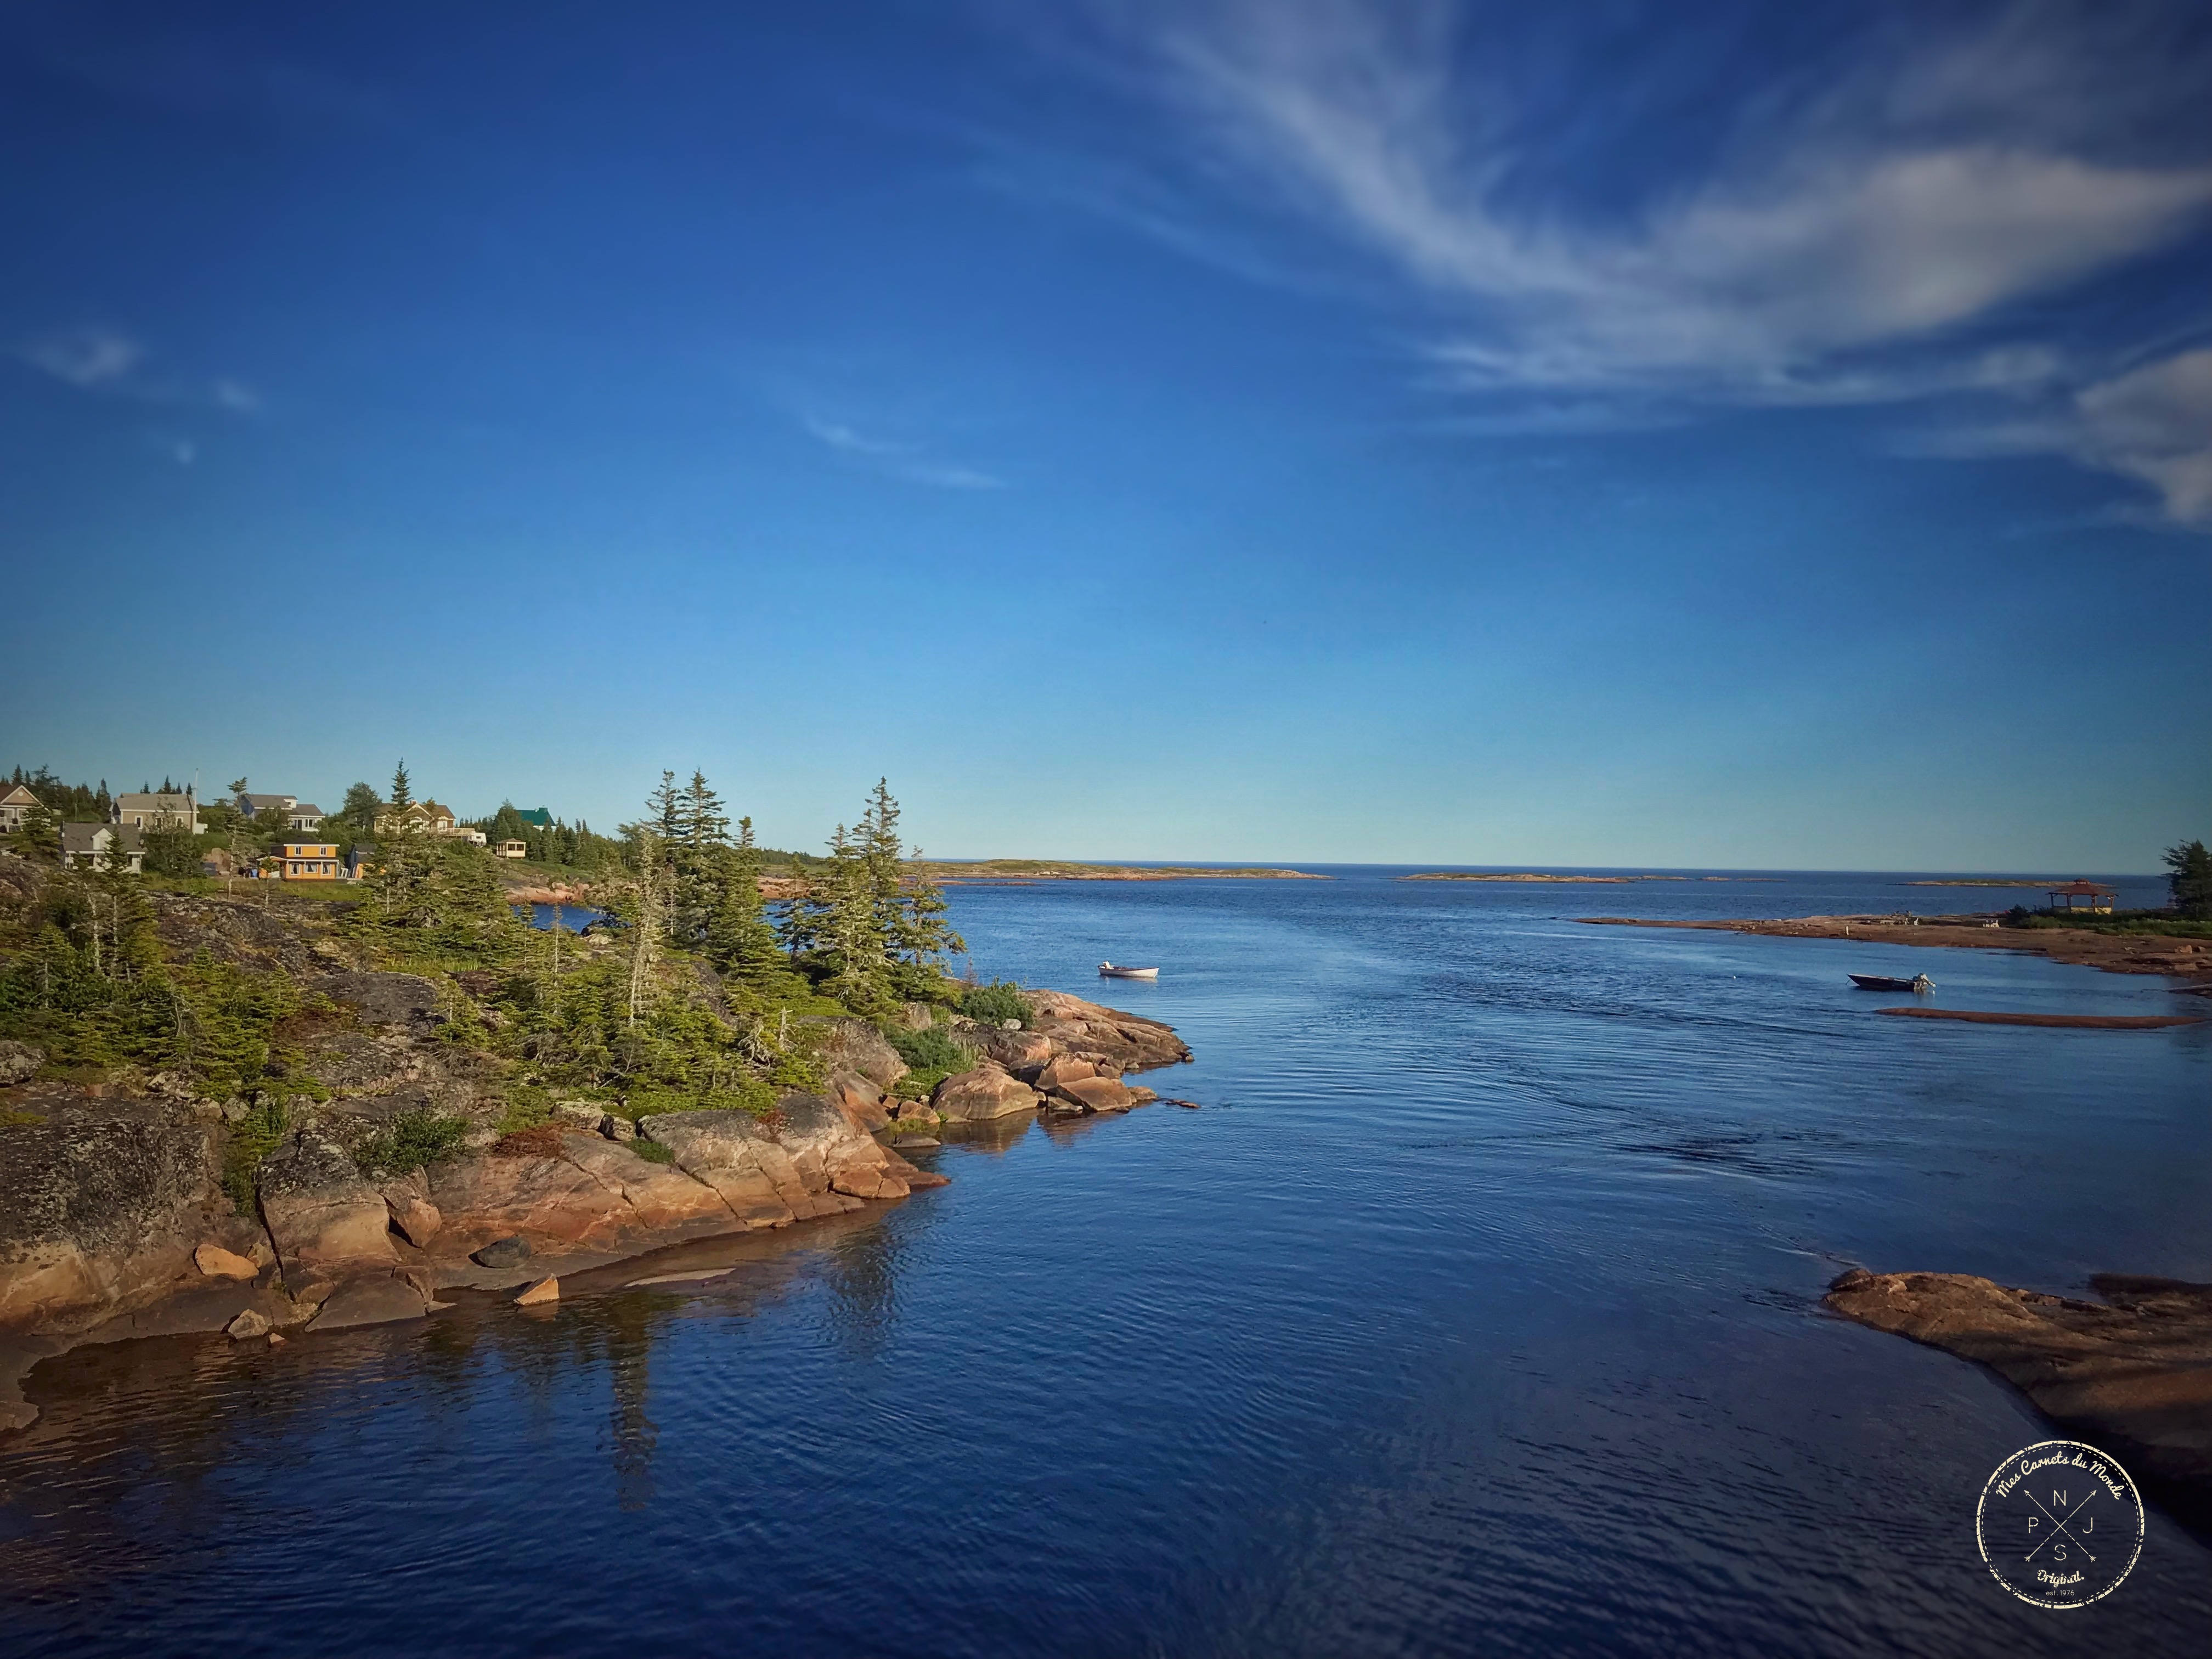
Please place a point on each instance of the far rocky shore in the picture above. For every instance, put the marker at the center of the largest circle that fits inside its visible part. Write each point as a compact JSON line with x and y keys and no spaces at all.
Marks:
{"x":2115,"y":953}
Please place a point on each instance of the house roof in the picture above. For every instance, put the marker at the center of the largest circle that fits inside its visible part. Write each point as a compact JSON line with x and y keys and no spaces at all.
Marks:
{"x":307,"y":806}
{"x":85,"y":837}
{"x":255,"y":804}
{"x":2085,"y":889}
{"x":19,"y":796}
{"x":537,"y":815}
{"x":135,"y":802}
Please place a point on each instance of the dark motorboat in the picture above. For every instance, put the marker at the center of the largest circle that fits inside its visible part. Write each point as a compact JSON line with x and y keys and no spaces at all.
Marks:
{"x":1884,"y":982}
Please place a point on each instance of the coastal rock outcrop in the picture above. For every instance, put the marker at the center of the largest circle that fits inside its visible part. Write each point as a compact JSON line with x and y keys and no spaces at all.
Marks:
{"x":585,"y":1192}
{"x":1110,"y":1039}
{"x":99,"y":1217}
{"x":2132,"y":1374}
{"x":810,"y":1160}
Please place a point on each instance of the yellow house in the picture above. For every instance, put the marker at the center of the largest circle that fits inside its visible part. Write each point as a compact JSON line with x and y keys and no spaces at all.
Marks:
{"x":310,"y":860}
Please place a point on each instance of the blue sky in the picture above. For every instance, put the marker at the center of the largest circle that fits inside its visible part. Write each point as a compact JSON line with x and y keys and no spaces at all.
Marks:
{"x":1686,"y":434}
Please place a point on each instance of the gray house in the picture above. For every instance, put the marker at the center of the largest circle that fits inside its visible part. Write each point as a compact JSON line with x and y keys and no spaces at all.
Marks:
{"x":255,"y":806}
{"x":304,"y":815}
{"x":86,"y":845}
{"x":155,"y":811}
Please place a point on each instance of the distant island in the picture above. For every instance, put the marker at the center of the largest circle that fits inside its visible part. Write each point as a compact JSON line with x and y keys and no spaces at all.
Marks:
{"x":954,"y":872}
{"x":1461,"y":875}
{"x":1984,"y":881}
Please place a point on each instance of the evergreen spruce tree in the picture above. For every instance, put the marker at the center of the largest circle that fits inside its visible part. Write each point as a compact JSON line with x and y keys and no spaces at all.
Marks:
{"x":739,"y":940}
{"x":2188,"y":879}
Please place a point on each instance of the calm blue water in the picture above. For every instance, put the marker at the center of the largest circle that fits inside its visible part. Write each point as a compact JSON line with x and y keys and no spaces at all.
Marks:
{"x":1478,"y":1311}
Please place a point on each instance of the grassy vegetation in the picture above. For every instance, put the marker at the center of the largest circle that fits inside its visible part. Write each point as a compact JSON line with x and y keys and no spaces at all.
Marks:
{"x":2155,"y":923}
{"x":414,"y":1139}
{"x":651,"y":1151}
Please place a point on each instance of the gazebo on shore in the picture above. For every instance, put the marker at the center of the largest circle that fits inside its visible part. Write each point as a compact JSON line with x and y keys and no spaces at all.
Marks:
{"x":2099,"y":899}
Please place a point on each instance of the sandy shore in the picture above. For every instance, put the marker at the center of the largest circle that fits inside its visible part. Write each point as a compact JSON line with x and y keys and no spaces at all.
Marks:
{"x":2115,"y":953}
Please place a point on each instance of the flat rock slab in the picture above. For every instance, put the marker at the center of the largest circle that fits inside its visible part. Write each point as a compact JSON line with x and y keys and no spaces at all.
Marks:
{"x":2132,"y":1374}
{"x":2071,"y":1022}
{"x":706,"y":1276}
{"x":370,"y":1301}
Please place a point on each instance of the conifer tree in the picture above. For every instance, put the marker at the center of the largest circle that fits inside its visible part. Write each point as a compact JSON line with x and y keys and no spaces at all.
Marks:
{"x":2188,"y":879}
{"x":739,"y":940}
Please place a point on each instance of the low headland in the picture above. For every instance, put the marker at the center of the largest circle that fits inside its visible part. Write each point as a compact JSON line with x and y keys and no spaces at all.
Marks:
{"x":2182,"y":949}
{"x":298,"y":1107}
{"x":2132,"y":1373}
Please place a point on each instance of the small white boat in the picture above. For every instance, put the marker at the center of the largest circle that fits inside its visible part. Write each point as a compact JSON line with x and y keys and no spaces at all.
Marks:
{"x":1107,"y":971}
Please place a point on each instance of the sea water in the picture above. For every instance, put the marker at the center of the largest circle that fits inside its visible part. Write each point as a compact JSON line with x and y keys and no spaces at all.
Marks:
{"x":1478,"y":1309}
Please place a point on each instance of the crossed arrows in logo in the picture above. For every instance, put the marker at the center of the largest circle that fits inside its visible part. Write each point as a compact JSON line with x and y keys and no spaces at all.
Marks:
{"x":2057,"y":1525}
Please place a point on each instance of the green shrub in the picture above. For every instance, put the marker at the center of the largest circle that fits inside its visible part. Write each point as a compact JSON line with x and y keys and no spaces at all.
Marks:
{"x":996,"y":1004}
{"x":252,"y":1138}
{"x":527,"y":1106}
{"x":932,"y":1049}
{"x":414,"y":1139}
{"x":651,"y":1151}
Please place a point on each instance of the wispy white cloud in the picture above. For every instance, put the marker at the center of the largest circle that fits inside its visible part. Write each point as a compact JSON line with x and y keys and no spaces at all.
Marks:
{"x":1873,"y":237}
{"x":904,"y":461}
{"x":87,"y":357}
{"x":110,"y":363}
{"x":2151,"y":423}
{"x":842,"y":437}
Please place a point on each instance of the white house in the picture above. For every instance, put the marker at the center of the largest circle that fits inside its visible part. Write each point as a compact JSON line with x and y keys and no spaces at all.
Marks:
{"x":304,"y":815}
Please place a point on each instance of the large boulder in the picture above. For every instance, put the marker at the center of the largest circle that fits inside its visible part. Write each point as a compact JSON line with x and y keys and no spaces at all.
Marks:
{"x":1099,"y":1094}
{"x":18,"y":1060}
{"x":980,"y":1095}
{"x":323,"y":1215}
{"x":854,"y":1045}
{"x":99,"y":1217}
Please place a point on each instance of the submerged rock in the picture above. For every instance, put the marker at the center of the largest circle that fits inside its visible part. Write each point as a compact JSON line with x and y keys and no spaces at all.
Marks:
{"x":2132,"y":1374}
{"x":249,"y":1324}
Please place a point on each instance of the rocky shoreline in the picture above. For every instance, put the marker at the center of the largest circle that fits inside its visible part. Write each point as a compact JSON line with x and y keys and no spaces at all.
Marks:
{"x":2115,"y":953}
{"x":2133,"y":1373}
{"x":116,"y":1221}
